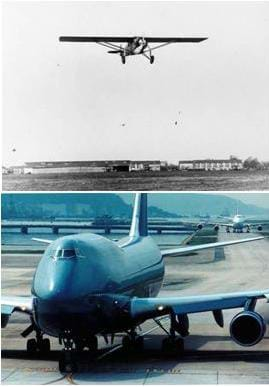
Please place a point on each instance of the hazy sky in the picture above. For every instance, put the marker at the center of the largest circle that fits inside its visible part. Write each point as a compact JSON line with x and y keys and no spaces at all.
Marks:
{"x":260,"y":199}
{"x":65,"y":101}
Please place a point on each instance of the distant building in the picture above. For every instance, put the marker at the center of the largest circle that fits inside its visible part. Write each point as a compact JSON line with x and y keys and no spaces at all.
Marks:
{"x":211,"y":164}
{"x":145,"y":165}
{"x":17,"y":169}
{"x":45,"y":167}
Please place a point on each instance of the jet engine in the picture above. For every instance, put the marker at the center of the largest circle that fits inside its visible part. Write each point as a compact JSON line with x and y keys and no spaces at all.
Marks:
{"x":216,"y":227}
{"x":200,"y":226}
{"x":259,"y":228}
{"x":247,"y":328}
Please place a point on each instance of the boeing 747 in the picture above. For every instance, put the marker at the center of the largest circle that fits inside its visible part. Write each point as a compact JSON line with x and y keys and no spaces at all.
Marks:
{"x":86,"y":285}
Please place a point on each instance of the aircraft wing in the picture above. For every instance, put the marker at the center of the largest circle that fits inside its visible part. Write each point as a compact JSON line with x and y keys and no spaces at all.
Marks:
{"x":152,"y":307}
{"x":122,"y":39}
{"x":47,"y":241}
{"x":14,"y":304}
{"x":95,"y":39}
{"x":173,"y":40}
{"x":188,"y":249}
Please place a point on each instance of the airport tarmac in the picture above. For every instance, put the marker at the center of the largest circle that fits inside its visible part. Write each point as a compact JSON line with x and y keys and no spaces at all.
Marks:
{"x":211,"y":357}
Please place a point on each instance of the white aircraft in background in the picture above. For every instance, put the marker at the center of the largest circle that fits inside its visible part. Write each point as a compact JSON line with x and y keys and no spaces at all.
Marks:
{"x":240,"y":223}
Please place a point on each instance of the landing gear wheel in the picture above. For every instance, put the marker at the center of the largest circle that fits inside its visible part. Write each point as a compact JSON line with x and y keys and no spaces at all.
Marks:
{"x":172,"y":346}
{"x":92,"y":343}
{"x":44,"y":346}
{"x":123,"y":59}
{"x":31,"y":346}
{"x":132,"y":344}
{"x":67,"y":363}
{"x":139,"y":343}
{"x":151,"y":59}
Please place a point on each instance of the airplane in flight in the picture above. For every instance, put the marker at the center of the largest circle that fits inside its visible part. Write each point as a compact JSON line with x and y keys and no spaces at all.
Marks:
{"x":87,"y":285}
{"x":134,"y":45}
{"x":239,"y":223}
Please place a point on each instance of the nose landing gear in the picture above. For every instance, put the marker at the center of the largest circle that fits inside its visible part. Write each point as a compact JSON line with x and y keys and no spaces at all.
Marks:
{"x":72,"y":347}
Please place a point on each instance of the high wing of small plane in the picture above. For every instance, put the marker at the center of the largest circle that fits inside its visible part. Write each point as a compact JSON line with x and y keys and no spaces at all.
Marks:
{"x":133,"y":45}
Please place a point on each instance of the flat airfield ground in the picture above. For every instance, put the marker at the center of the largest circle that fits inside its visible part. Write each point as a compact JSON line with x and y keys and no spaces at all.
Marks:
{"x":141,"y":181}
{"x":210,"y":358}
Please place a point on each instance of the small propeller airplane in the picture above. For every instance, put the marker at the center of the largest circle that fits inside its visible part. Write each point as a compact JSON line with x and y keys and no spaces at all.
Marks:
{"x":137,"y":45}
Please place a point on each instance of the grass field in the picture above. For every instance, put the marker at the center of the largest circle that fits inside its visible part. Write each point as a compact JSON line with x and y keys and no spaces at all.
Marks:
{"x":141,"y":181}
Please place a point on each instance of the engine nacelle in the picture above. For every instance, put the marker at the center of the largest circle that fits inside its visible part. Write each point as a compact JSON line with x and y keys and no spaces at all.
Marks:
{"x":216,"y":227}
{"x":247,"y":328}
{"x":259,"y":228}
{"x":200,"y":226}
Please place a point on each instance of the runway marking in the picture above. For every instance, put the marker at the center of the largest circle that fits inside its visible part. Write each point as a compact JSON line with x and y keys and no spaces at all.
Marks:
{"x":70,"y":379}
{"x":54,"y":381}
{"x":11,"y":373}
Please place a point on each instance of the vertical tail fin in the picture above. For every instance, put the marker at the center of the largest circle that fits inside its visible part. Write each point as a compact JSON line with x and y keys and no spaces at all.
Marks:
{"x":139,"y":225}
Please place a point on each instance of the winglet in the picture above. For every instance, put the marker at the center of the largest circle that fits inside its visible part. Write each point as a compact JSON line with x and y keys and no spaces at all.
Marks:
{"x":139,"y":225}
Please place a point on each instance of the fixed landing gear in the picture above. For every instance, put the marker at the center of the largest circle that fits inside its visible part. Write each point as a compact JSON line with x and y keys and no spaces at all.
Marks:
{"x":151,"y":59}
{"x":123,"y":59}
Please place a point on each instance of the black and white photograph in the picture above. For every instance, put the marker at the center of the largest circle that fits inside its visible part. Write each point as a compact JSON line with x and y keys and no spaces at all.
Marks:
{"x":135,"y":95}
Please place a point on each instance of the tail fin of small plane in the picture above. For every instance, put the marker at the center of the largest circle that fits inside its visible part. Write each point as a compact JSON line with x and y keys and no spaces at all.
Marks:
{"x":139,"y":225}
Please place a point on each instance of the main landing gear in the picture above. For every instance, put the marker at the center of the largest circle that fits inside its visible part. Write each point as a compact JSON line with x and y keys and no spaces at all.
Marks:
{"x":173,"y":345}
{"x":37,"y":345}
{"x":150,"y":57}
{"x":133,"y":342}
{"x":72,"y":347}
{"x":123,"y":59}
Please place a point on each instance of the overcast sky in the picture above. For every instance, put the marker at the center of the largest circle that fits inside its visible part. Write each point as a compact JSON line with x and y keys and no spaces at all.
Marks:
{"x":67,"y":101}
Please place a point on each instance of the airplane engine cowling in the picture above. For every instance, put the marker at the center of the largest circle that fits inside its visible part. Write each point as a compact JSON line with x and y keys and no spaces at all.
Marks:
{"x":259,"y":228}
{"x":199,"y":226}
{"x":216,"y":227}
{"x":247,"y":328}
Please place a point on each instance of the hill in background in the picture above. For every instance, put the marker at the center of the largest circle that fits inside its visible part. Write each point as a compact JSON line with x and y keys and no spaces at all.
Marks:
{"x":91,"y":205}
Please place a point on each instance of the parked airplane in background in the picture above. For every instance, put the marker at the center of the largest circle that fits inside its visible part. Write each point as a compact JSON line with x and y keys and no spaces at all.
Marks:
{"x":137,"y":45}
{"x":87,"y":285}
{"x":240,"y":223}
